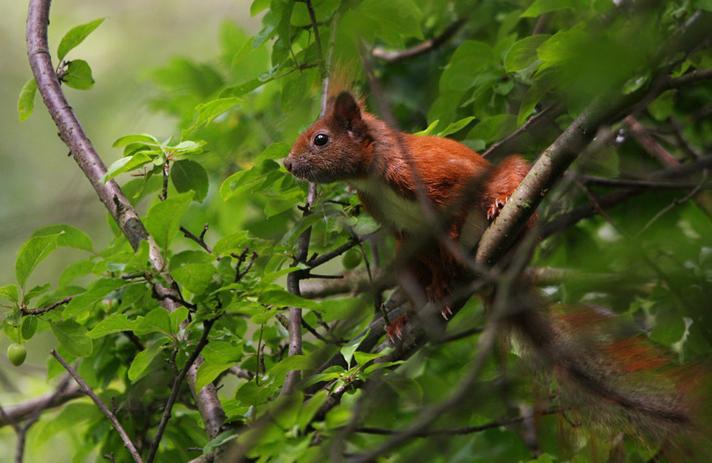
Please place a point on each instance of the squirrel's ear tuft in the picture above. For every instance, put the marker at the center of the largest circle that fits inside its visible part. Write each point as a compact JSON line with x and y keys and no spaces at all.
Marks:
{"x":347,"y":114}
{"x":346,"y":110}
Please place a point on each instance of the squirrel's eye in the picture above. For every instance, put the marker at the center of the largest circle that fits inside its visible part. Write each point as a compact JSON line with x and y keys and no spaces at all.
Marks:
{"x":321,"y":139}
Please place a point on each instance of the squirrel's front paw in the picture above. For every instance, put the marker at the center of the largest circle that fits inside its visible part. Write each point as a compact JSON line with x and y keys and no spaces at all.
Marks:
{"x":495,"y":207}
{"x":446,"y":312}
{"x":396,"y":328}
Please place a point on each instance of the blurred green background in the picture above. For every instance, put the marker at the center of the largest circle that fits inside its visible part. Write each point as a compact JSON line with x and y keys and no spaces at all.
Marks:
{"x":40,"y":184}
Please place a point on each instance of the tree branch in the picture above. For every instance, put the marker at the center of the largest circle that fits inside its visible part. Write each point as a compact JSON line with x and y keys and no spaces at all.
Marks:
{"x":604,"y":202}
{"x":45,"y":309}
{"x":198,"y":239}
{"x":392,"y":56}
{"x":693,"y":77}
{"x":110,"y":194}
{"x":104,"y":409}
{"x":507,"y":144}
{"x":17,"y":413}
{"x":175,"y":389}
{"x":455,"y":431}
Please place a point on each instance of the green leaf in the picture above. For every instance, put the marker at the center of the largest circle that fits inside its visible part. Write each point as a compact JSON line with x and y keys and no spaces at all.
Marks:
{"x":69,"y":236}
{"x":205,"y":113}
{"x":114,"y":323}
{"x":234,"y":242}
{"x":347,"y":351}
{"x":73,"y":337}
{"x":663,"y":106}
{"x":75,"y":36}
{"x":195,"y":277}
{"x":189,"y":175}
{"x":391,"y":21}
{"x":188,"y":147}
{"x":126,"y":164}
{"x":75,"y":270}
{"x":258,"y":6}
{"x":493,"y":128}
{"x":139,"y":138}
{"x":273,"y":151}
{"x":10,"y":292}
{"x":78,"y":75}
{"x":522,"y":53}
{"x":294,"y":362}
{"x":163,"y":218}
{"x":311,"y":407}
{"x":364,"y":357}
{"x":429,"y":129}
{"x":177,"y":317}
{"x":142,"y":360}
{"x":281,"y":298}
{"x":703,"y":4}
{"x":36,"y":291}
{"x":222,"y":438}
{"x":31,"y":253}
{"x":26,"y":99}
{"x":94,"y":294}
{"x":208,"y":372}
{"x":456,"y":126}
{"x":29,"y":326}
{"x":156,"y":321}
{"x":540,"y":7}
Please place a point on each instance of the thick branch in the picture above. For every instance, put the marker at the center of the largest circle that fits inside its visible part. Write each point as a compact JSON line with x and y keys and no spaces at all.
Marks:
{"x":102,"y":406}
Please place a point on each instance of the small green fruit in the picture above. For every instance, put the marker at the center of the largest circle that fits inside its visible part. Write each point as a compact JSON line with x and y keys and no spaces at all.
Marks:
{"x":352,"y":258}
{"x":16,"y":353}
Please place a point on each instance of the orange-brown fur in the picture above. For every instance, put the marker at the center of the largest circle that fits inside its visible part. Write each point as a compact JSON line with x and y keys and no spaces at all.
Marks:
{"x":455,"y":178}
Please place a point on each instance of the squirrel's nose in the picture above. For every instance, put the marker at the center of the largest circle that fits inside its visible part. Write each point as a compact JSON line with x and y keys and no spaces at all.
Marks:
{"x":288,"y":164}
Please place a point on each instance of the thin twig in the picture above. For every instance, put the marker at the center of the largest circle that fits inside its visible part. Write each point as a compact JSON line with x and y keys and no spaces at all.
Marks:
{"x":99,"y":403}
{"x":582,"y":212}
{"x":548,"y":113}
{"x":318,"y":260}
{"x":673,"y":204}
{"x":635,"y":182}
{"x":693,"y":77}
{"x":198,"y":239}
{"x":648,"y":143}
{"x":175,"y":389}
{"x":45,"y":309}
{"x":163,"y":195}
{"x":392,"y":56}
{"x":454,"y":431}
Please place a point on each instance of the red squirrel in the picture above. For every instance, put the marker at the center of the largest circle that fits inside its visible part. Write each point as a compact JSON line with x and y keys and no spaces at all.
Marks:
{"x":389,"y":169}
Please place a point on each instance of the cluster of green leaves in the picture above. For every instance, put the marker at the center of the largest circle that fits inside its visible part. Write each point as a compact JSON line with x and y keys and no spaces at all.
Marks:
{"x":236,"y":116}
{"x":73,"y":73}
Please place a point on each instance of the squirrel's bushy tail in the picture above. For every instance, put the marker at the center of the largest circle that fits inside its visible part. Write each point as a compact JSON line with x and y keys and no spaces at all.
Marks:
{"x":617,"y":381}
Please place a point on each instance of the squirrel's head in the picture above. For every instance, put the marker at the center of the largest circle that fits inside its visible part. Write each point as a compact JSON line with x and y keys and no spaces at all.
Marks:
{"x":335,"y":147}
